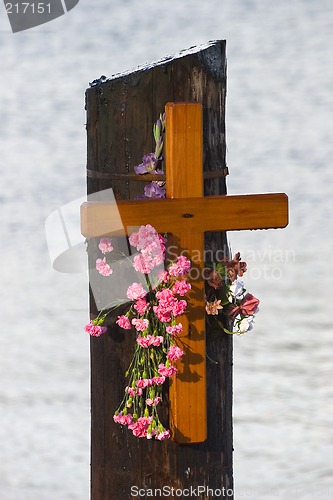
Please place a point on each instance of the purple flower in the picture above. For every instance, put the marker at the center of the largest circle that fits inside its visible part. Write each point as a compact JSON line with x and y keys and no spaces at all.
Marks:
{"x":148,"y":164}
{"x":153,"y":190}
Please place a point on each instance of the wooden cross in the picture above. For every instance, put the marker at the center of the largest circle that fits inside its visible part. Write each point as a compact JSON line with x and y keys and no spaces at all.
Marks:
{"x":187,"y":214}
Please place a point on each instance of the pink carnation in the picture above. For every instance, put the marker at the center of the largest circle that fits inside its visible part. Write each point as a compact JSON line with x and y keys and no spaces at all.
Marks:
{"x":123,"y":419}
{"x":155,"y":251}
{"x":181,"y":287}
{"x":140,"y":324}
{"x":103,"y":268}
{"x":166,"y":297}
{"x":162,"y":241}
{"x":163,"y":276}
{"x":166,"y":304}
{"x":158,"y":259}
{"x":136,"y":291}
{"x":156,"y":341}
{"x":144,"y":382}
{"x":153,"y":402}
{"x":158,"y":380}
{"x":143,"y":263}
{"x":134,"y":239}
{"x":166,"y":371}
{"x":151,"y":246}
{"x":105,"y":245}
{"x":147,"y":234}
{"x":140,"y":427}
{"x":179,"y":308}
{"x":141,"y":306}
{"x":124,"y":322}
{"x":133,"y":392}
{"x":162,"y":315}
{"x":175,"y":329}
{"x":174,"y":353}
{"x":94,"y":330}
{"x":143,"y":237}
{"x":163,"y":435}
{"x":150,"y":340}
{"x":181,"y":267}
{"x":150,"y":432}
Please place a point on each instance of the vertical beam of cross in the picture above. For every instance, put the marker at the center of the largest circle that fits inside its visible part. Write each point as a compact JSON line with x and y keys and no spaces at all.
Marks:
{"x":184,"y":179}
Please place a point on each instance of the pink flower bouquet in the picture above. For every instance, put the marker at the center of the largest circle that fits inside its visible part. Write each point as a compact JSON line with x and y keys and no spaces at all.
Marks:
{"x":153,"y":317}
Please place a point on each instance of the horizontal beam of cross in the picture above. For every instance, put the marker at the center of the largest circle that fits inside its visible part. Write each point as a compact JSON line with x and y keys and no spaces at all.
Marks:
{"x":220,"y":213}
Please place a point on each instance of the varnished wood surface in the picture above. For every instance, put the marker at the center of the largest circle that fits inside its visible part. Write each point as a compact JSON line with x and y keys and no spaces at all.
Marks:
{"x":184,"y":173}
{"x":221,"y":213}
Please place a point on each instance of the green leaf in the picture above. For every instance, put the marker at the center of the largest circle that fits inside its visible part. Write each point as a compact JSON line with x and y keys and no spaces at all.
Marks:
{"x":156,"y":132}
{"x":159,"y":150}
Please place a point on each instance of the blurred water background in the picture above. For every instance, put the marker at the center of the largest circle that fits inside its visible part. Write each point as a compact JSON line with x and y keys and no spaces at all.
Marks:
{"x":279,"y":137}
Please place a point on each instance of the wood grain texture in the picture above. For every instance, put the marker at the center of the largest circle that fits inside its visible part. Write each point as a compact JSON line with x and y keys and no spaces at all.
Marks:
{"x":184,"y":173}
{"x":227,"y":213}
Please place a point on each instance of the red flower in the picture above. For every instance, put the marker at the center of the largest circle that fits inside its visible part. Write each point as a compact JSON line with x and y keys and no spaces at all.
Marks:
{"x":235,"y":267}
{"x":247,"y":307}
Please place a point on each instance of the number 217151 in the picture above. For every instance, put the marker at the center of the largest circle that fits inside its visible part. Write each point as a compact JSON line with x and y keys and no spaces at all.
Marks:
{"x":28,"y":8}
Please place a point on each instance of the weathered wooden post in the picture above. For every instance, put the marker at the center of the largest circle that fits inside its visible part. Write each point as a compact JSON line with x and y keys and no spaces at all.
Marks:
{"x":120,"y":113}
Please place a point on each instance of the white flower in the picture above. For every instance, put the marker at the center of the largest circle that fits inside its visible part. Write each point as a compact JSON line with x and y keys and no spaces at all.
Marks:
{"x":236,"y":290}
{"x":242,"y":325}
